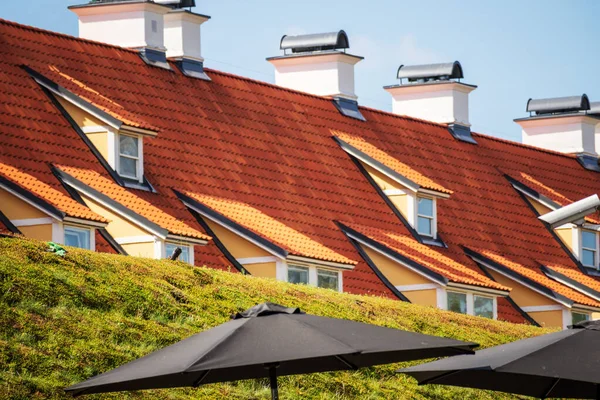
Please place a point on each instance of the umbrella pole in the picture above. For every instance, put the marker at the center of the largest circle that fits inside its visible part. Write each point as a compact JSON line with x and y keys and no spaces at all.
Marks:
{"x":273,"y":379}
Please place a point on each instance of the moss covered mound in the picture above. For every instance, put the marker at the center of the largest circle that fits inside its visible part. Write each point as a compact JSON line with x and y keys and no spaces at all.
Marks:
{"x":63,"y":320}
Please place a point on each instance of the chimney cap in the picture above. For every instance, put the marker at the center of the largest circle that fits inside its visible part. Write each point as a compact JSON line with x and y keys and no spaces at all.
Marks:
{"x":168,"y":3}
{"x":559,"y":105}
{"x":594,"y":108}
{"x":442,"y":71}
{"x":315,"y":42}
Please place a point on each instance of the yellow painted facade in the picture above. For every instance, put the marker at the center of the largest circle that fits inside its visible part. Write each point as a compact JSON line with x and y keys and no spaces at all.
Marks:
{"x":39,"y":232}
{"x":120,"y":228}
{"x":262,"y":270}
{"x":566,"y":235}
{"x":548,"y":319}
{"x":522,"y":295}
{"x":385,"y":183}
{"x":140,"y":249}
{"x":237,"y":246}
{"x":100,"y":141}
{"x":540,"y":208}
{"x":84,"y":119}
{"x":80,"y":117}
{"x":422,"y":297}
{"x":396,"y":273}
{"x":15,"y":208}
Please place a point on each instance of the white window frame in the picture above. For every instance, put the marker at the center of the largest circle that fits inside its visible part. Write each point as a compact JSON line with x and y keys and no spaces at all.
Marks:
{"x":443,"y":301}
{"x":581,"y":248}
{"x":140,"y":157}
{"x":433,"y":217}
{"x":79,"y":227}
{"x":313,"y":274}
{"x":190,"y":248}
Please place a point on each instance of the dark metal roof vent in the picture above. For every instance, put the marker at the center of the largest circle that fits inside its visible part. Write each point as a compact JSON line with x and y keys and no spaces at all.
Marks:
{"x":430,"y":72}
{"x":348,"y":107}
{"x":559,"y":105}
{"x":315,"y":42}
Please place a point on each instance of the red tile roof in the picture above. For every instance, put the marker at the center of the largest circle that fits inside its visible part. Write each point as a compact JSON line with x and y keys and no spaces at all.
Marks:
{"x":103,"y":246}
{"x":507,"y":312}
{"x":33,"y":177}
{"x":271,"y":149}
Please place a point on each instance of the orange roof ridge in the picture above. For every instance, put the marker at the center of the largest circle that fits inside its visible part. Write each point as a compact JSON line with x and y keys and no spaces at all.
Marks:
{"x":523,"y":145}
{"x":63,"y":35}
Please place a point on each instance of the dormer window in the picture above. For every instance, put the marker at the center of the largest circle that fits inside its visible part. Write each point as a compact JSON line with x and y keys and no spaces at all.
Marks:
{"x":185,"y":251}
{"x":426,"y":216}
{"x":79,"y":237}
{"x":589,"y":249}
{"x":130,"y":157}
{"x":315,"y":276}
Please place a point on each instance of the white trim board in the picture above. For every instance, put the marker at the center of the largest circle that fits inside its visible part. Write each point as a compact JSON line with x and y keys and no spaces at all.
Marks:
{"x":417,"y":287}
{"x":32,"y":221}
{"x":554,"y":307}
{"x":135,"y":239}
{"x":256,"y":260}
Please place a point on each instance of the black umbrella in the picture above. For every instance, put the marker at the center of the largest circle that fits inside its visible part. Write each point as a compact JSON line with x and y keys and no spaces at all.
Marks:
{"x":561,"y":364}
{"x":266,"y":341}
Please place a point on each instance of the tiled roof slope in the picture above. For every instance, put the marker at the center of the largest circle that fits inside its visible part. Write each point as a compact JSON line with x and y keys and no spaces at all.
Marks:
{"x":37,"y":178}
{"x":271,"y":149}
{"x":389,"y":161}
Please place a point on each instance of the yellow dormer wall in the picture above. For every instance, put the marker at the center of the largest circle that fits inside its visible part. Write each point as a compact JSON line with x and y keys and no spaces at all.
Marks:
{"x":525,"y":297}
{"x":385,"y":183}
{"x":16,"y":209}
{"x":243,"y":249}
{"x":399,"y":275}
{"x":84,"y":120}
{"x":120,"y":229}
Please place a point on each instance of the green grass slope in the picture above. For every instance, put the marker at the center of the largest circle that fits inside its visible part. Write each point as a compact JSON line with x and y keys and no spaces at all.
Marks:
{"x":63,"y":320}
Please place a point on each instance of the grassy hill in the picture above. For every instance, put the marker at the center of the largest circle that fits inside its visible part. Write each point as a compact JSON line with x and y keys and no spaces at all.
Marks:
{"x":63,"y":320}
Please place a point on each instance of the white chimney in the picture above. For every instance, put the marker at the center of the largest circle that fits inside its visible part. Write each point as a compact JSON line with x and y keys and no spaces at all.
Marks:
{"x":138,"y":25}
{"x":182,"y":34}
{"x":317,"y":64}
{"x":432,"y":93}
{"x":560,"y":124}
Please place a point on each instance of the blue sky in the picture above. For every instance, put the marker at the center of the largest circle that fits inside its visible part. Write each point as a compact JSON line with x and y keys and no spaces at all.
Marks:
{"x":512,"y":50}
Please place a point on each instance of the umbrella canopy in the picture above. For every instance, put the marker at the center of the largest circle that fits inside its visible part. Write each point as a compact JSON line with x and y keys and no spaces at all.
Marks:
{"x":561,"y":364}
{"x":266,"y":340}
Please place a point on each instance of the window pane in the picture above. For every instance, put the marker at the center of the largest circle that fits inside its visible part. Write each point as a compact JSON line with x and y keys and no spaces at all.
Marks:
{"x":298,"y":275}
{"x":128,"y":146}
{"x":457,"y":302}
{"x":587,"y":258}
{"x":484,"y":307}
{"x":327,"y":279}
{"x":588,"y":239}
{"x":185,"y":252}
{"x":425,"y":207}
{"x":128,"y":167}
{"x":77,"y":237}
{"x":424,"y":226}
{"x":578,"y":317}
